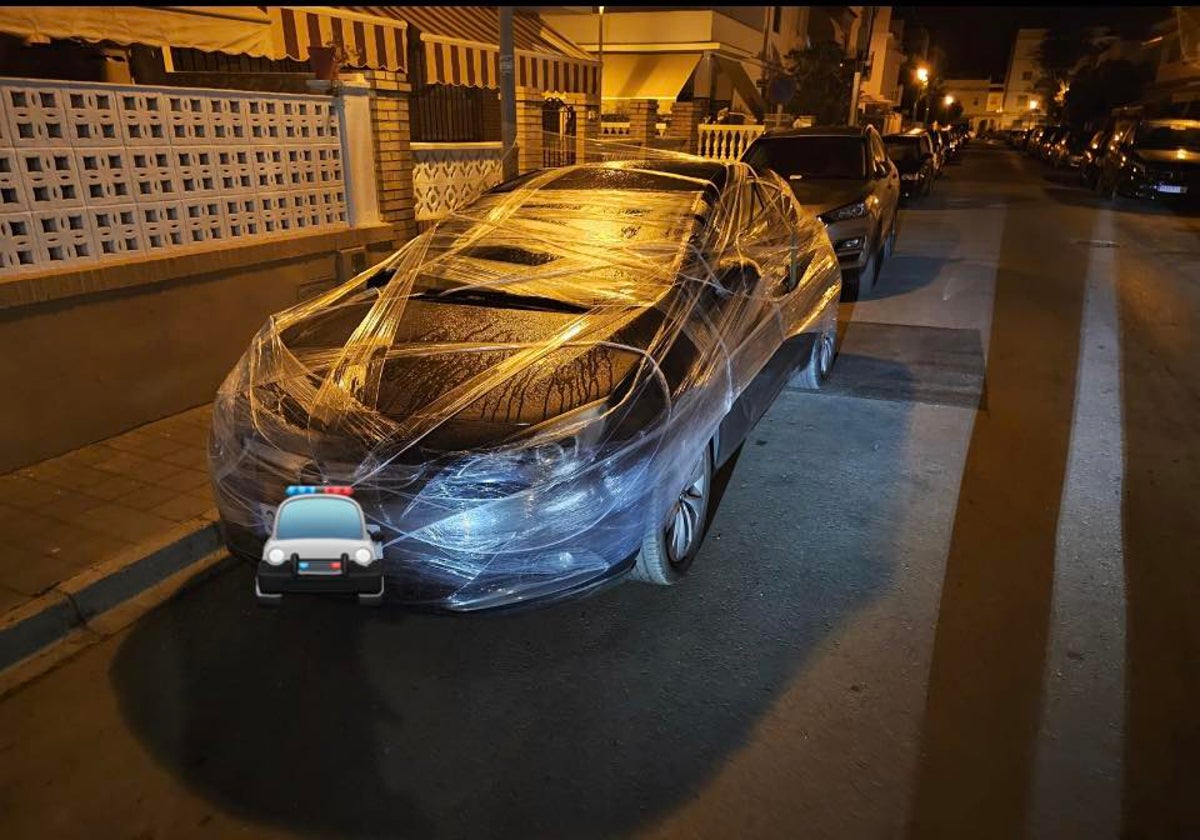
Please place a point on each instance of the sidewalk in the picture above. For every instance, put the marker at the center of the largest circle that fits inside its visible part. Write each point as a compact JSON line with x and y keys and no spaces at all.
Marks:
{"x":85,"y":531}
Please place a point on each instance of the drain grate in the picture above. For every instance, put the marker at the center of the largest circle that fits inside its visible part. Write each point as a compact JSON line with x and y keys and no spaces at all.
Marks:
{"x":904,"y":363}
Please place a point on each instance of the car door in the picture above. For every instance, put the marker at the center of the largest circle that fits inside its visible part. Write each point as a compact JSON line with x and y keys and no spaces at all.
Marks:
{"x":761,"y":362}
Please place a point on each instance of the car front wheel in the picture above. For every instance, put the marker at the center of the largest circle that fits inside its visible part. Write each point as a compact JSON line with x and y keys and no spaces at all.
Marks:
{"x":669,"y":549}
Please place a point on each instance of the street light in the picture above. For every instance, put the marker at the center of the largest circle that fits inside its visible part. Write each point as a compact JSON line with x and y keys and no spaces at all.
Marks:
{"x":923,"y":78}
{"x":948,"y":101}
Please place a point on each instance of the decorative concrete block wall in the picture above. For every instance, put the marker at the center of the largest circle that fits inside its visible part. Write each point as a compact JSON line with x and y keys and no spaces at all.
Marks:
{"x":93,"y":172}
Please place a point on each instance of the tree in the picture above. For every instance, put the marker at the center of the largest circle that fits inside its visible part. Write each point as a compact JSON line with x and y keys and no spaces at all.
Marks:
{"x":823,"y":77}
{"x":1096,"y":91}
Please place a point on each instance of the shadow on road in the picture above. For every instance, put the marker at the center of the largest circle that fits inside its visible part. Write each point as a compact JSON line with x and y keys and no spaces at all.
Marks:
{"x":985,"y":687}
{"x":586,"y":719}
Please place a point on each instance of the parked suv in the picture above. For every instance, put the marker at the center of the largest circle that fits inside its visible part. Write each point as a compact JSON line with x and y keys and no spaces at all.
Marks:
{"x":1155,"y":160}
{"x":912,"y":152}
{"x":844,"y":176}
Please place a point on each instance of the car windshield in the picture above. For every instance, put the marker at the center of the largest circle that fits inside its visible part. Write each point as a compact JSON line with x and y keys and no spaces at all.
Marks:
{"x":810,"y":157}
{"x":649,"y":216}
{"x":903,"y":150}
{"x":319,"y":517}
{"x":1163,"y":137}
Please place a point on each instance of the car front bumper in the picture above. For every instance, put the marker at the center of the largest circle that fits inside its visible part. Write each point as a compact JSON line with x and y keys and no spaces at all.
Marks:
{"x":352,"y":580}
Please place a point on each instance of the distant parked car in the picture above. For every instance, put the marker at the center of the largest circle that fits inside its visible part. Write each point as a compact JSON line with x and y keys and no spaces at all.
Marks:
{"x":1089,"y":167}
{"x":912,"y":152}
{"x":844,"y":176}
{"x":949,"y":143}
{"x":940,"y":154}
{"x":1067,"y":153}
{"x":1157,"y":160}
{"x":1032,"y":140}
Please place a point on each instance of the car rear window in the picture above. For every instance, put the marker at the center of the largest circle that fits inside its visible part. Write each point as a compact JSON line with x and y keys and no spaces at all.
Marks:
{"x":810,"y":157}
{"x":904,"y":148}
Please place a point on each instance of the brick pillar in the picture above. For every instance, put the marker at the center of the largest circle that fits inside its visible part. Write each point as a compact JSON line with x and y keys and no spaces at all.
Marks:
{"x":684,"y":127}
{"x":587,"y":132}
{"x":643,"y":116}
{"x":393,"y":151}
{"x":529,"y":129}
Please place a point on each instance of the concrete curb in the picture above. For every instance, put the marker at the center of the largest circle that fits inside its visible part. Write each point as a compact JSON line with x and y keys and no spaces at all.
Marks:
{"x":51,"y":617}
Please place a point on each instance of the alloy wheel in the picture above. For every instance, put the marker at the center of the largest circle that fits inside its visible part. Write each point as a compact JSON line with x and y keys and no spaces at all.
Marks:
{"x":687,"y":516}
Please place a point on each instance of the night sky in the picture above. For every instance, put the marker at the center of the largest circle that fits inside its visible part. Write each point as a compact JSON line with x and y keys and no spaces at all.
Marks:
{"x":978,"y":39}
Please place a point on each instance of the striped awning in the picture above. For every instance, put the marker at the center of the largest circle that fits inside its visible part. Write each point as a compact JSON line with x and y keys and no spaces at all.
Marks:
{"x":448,"y":61}
{"x":370,"y":41}
{"x":459,"y":45}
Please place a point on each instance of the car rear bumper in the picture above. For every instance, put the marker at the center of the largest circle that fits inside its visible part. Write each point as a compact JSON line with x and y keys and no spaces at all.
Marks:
{"x":353,"y":580}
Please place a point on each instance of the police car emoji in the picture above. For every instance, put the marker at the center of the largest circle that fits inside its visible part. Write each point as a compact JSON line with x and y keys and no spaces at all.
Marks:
{"x":320,"y":542}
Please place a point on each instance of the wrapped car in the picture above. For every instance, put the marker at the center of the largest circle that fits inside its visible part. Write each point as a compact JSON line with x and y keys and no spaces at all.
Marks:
{"x":529,"y":399}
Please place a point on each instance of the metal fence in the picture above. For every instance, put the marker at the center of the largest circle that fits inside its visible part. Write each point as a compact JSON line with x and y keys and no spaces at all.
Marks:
{"x":454,"y":114}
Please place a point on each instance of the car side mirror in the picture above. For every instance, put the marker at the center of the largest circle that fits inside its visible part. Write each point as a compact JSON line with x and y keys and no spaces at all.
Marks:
{"x":376,"y":532}
{"x":737,"y":275}
{"x":881,"y":170}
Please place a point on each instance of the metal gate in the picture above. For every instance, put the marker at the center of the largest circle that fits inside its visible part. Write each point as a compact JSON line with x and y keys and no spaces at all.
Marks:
{"x":558,"y":133}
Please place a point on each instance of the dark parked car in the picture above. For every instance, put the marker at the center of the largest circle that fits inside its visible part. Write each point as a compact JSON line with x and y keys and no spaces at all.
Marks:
{"x":844,"y":176}
{"x":941,"y":155}
{"x":950,"y":144}
{"x":912,"y":152}
{"x":1089,"y":166}
{"x":1067,"y":151}
{"x":1157,"y":160}
{"x":530,"y":400}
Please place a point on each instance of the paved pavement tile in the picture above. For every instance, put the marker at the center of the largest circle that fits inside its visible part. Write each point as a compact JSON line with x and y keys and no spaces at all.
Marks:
{"x":147,"y":497}
{"x":182,"y":508}
{"x":129,"y":524}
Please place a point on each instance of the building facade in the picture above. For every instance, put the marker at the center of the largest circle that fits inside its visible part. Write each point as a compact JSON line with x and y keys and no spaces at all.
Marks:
{"x":1022,"y":105}
{"x":982,"y":102}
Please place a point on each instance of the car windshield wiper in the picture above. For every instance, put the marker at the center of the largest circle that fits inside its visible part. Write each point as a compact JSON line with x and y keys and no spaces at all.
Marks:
{"x":475,"y":296}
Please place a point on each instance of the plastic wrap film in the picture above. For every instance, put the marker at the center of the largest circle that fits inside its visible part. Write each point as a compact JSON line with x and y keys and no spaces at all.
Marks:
{"x":518,"y":395}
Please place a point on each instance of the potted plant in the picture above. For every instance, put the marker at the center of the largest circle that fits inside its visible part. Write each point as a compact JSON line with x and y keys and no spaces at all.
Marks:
{"x":327,"y":60}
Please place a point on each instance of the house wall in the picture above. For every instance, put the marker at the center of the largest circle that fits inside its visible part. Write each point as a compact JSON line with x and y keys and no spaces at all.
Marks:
{"x":91,"y":353}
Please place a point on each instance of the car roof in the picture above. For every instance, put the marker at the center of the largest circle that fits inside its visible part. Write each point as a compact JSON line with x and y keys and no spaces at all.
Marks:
{"x":822,"y":131}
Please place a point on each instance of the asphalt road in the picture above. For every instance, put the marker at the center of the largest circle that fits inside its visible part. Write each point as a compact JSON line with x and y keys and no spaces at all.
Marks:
{"x":911,"y":617}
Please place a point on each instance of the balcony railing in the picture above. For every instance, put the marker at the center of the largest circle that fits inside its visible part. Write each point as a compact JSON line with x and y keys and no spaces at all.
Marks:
{"x":727,"y":142}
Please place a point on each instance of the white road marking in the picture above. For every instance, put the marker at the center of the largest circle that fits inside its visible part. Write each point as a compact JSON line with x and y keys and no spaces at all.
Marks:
{"x":1077,"y":790}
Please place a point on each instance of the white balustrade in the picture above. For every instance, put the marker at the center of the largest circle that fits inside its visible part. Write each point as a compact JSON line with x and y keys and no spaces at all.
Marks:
{"x":726,"y":142}
{"x":447,"y":176}
{"x":614,"y":129}
{"x":92,"y":172}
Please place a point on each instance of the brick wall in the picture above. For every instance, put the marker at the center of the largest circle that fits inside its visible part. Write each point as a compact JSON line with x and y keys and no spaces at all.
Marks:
{"x":529,"y":129}
{"x":393,"y":151}
{"x":643,"y":117}
{"x":685,"y":119}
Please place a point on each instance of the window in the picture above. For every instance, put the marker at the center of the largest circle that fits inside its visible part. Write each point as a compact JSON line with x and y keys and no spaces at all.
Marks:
{"x":321,"y":517}
{"x":453,"y":114}
{"x":776,"y":15}
{"x":1022,"y":99}
{"x":1027,"y":76}
{"x":975,"y":102}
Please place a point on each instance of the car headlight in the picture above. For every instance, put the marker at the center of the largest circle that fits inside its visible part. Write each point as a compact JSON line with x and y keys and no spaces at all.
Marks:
{"x":363,"y":557}
{"x":851,"y":211}
{"x":275,"y":556}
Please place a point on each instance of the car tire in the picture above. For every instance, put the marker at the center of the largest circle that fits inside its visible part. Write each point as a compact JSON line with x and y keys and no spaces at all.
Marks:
{"x":669,"y":548}
{"x":821,"y":357}
{"x":889,"y":244}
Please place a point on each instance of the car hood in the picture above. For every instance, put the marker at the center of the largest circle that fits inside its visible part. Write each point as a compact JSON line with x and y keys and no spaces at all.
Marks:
{"x":822,"y":195}
{"x":450,"y":376}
